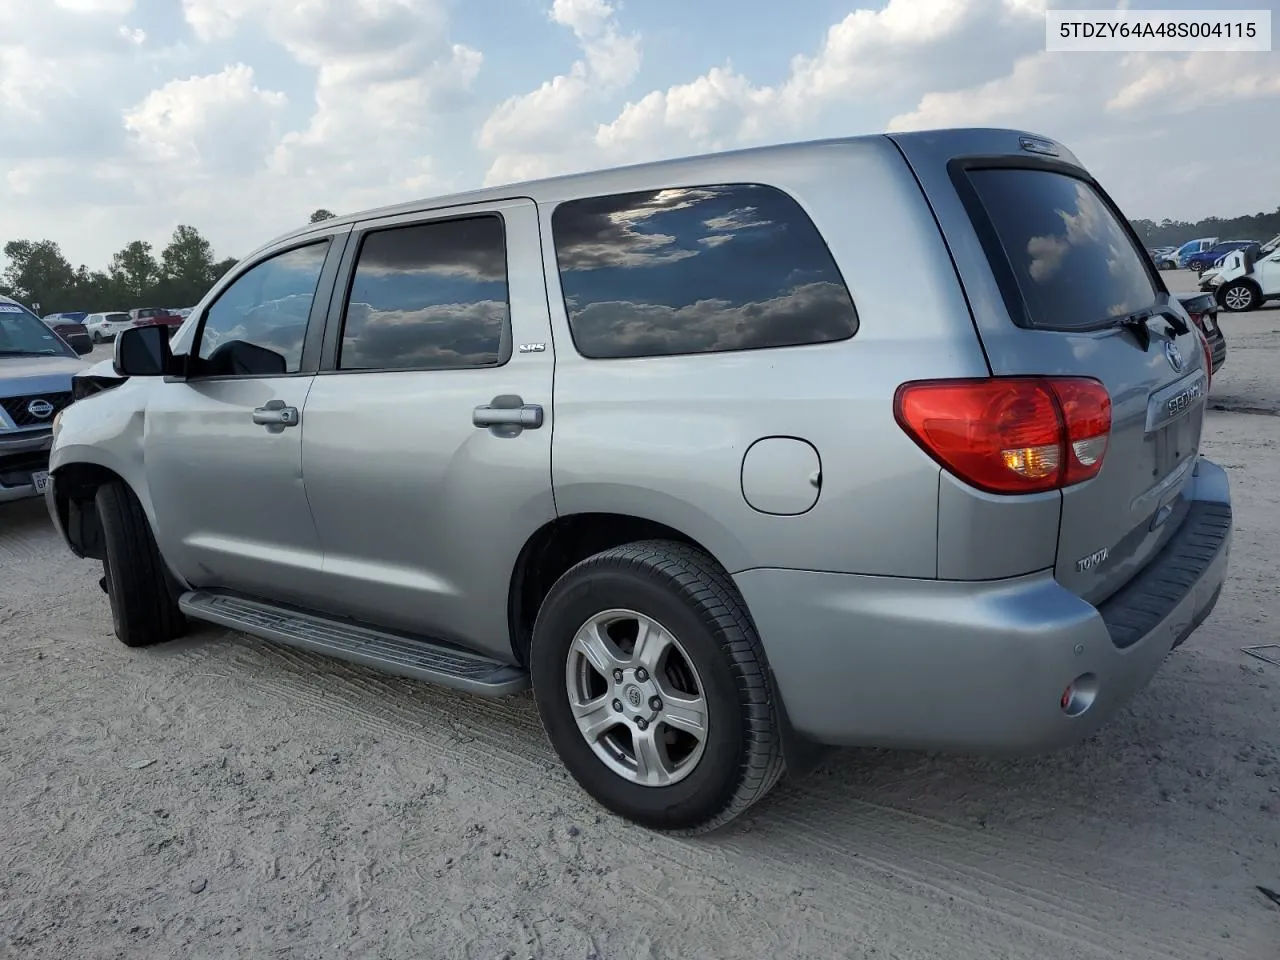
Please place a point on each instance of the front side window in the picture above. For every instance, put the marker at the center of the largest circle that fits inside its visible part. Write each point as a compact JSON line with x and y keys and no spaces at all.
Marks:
{"x":429,"y":296}
{"x":697,"y":270}
{"x":266,"y":308}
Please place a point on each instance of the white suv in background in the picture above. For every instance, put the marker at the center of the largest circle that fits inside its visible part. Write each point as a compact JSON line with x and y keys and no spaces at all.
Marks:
{"x":104,"y":326}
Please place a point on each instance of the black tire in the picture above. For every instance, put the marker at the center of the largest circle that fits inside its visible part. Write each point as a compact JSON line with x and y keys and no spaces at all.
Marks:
{"x":689,"y":594}
{"x":96,"y":337}
{"x":1234,"y":292}
{"x":144,"y":607}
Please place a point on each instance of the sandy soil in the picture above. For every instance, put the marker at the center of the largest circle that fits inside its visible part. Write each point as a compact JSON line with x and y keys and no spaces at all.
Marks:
{"x":222,"y":797}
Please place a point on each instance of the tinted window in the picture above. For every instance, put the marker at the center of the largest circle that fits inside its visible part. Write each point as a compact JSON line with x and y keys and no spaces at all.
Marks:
{"x":430,"y":296}
{"x":116,"y":317}
{"x":268,"y":306}
{"x":1073,"y":260}
{"x":696,"y":270}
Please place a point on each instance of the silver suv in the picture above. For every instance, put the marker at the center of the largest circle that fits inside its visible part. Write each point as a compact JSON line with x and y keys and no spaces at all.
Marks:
{"x":889,"y":440}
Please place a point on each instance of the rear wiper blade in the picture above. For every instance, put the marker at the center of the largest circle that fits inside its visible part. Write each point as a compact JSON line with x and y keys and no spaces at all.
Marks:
{"x":1136,"y":323}
{"x":1176,"y":323}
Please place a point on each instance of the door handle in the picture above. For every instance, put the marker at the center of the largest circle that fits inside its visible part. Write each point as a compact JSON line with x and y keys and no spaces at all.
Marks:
{"x":507,"y":416}
{"x":275,"y":414}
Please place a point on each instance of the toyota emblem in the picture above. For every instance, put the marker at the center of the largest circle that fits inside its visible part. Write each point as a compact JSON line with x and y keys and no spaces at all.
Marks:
{"x":1174,"y":356}
{"x":40,"y":408}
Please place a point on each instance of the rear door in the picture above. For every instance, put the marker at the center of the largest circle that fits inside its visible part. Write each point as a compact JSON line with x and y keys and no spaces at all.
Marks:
{"x":427,"y":448}
{"x":1050,"y":266}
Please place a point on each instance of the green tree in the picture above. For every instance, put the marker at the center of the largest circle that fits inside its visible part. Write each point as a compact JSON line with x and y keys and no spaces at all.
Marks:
{"x":133,"y":273}
{"x":186,"y":267}
{"x":38,"y":273}
{"x":322,"y":214}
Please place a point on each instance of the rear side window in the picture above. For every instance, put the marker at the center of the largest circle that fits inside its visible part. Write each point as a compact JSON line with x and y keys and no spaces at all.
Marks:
{"x":697,"y":270}
{"x":1071,"y":258}
{"x":431,"y":296}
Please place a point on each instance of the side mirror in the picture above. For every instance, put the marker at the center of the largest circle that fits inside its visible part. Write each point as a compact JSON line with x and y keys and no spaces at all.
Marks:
{"x":82,"y":345}
{"x":143,"y":352}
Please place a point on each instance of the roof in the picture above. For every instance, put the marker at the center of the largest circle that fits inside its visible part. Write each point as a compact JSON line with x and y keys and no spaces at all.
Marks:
{"x":568,"y":182}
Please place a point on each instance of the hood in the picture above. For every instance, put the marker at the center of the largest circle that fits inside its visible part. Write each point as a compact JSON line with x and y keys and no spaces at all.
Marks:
{"x":23,"y":376}
{"x":103,"y":368}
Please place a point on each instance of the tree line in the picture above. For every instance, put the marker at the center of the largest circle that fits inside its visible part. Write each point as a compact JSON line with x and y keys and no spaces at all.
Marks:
{"x":1173,"y":233}
{"x":37,"y":272}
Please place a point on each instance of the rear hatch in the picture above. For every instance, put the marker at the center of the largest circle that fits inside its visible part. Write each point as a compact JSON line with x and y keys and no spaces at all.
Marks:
{"x":1060,"y":285}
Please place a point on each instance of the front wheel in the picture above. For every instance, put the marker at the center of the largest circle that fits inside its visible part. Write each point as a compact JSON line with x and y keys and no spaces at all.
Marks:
{"x":652,"y":685}
{"x":144,"y":608}
{"x":1238,"y":297}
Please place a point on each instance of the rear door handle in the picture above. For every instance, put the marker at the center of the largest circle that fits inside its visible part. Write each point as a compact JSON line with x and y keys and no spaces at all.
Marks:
{"x":274,"y":413}
{"x":507,"y":416}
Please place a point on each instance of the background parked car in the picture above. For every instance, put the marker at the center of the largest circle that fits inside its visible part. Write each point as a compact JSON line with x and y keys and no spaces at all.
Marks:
{"x":1193,"y":246}
{"x":1164,"y":258}
{"x":1202,"y":260}
{"x":71,"y":331}
{"x":155,"y":317}
{"x":104,"y":326}
{"x":75,"y":316}
{"x":36,"y":370}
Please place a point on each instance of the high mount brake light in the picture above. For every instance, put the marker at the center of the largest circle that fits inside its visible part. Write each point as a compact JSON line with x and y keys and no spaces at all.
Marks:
{"x":1010,"y":434}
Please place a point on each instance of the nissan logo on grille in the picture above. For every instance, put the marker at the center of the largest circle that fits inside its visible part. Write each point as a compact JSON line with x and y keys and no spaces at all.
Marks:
{"x":40,"y":408}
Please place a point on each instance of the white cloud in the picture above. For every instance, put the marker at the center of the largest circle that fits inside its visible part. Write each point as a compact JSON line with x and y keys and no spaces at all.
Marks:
{"x":113,"y":7}
{"x":223,"y":124}
{"x":383,"y":68}
{"x":532,"y":133}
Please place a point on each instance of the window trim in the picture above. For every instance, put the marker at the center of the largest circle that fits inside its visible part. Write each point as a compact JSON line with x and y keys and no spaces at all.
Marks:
{"x":855,"y":326}
{"x":334,"y":244}
{"x":335,"y":326}
{"x":959,"y":168}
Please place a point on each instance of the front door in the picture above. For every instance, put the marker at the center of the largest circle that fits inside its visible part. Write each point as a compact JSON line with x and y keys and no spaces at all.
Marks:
{"x":223,"y":447}
{"x":427,"y":448}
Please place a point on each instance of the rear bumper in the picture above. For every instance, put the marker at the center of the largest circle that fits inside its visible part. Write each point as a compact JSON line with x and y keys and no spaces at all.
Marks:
{"x":982,"y":667}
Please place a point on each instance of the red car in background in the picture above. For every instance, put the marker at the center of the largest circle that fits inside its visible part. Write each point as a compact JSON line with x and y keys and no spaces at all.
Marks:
{"x":156,"y":317}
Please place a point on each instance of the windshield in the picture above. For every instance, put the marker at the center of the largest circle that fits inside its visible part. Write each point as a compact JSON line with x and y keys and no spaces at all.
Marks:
{"x":1074,"y":262}
{"x":22,"y":334}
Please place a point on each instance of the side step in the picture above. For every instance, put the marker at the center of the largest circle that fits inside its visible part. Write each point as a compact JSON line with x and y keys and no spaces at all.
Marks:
{"x":403,"y":656}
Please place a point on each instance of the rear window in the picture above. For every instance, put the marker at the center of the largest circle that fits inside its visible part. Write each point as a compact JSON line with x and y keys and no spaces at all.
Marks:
{"x":116,"y":317}
{"x":692,"y":270}
{"x":1072,"y":259}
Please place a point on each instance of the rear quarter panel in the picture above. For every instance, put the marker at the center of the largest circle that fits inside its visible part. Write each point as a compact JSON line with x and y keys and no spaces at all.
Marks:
{"x":664,"y":438}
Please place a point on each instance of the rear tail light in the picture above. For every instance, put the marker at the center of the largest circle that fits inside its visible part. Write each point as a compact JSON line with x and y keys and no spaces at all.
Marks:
{"x":1197,"y":320}
{"x":1010,"y":434}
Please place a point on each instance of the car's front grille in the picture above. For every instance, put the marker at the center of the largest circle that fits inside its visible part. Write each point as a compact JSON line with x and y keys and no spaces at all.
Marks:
{"x":19,"y":408}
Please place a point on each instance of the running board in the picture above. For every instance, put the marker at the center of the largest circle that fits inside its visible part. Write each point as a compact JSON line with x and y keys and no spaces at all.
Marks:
{"x":420,"y":659}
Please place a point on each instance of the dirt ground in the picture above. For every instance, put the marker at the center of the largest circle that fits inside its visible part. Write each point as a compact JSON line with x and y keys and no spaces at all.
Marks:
{"x":223,"y":797}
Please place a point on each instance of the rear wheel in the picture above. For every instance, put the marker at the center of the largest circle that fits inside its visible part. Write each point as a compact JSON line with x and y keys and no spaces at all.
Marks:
{"x":652,"y":685}
{"x":1238,"y":297}
{"x":144,"y":607}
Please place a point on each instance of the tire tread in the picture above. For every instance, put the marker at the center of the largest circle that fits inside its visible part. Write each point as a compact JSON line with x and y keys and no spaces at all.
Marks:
{"x":710,"y":592}
{"x":148,"y":612}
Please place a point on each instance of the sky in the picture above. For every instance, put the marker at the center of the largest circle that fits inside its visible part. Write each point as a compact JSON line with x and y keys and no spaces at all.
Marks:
{"x":120,"y":119}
